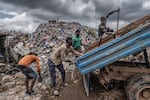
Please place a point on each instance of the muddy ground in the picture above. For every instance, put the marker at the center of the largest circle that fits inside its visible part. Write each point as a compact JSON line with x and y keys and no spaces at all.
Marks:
{"x":75,"y":91}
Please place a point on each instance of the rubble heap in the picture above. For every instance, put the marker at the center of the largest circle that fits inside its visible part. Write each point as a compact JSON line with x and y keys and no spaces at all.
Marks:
{"x":46,"y":38}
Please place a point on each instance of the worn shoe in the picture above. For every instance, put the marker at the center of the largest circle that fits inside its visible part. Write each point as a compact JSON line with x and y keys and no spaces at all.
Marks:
{"x":64,"y":84}
{"x":31,"y":92}
{"x":56,"y":93}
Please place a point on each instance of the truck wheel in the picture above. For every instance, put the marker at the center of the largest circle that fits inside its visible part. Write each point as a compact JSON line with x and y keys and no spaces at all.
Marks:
{"x":139,"y":87}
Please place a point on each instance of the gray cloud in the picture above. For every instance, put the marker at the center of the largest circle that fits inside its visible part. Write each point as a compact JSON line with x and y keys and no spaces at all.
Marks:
{"x":132,"y":10}
{"x":2,"y":15}
{"x":104,"y":6}
{"x":79,"y":10}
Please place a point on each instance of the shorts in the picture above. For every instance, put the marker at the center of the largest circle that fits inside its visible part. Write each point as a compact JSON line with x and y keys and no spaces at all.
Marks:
{"x":28,"y":72}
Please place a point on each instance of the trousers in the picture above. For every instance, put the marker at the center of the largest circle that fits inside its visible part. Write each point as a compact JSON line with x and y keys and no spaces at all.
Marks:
{"x":52,"y":70}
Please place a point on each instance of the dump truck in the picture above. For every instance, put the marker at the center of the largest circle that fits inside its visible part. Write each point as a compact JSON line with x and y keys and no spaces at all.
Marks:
{"x":112,"y":62}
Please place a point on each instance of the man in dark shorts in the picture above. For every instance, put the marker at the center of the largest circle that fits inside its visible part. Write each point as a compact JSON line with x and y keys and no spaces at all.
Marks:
{"x":24,"y":65}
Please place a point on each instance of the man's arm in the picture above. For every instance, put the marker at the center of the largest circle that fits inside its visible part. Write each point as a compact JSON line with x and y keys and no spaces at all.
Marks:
{"x":63,"y":56}
{"x":117,"y":10}
{"x":38,"y":69}
{"x":38,"y":64}
{"x":76,"y":52}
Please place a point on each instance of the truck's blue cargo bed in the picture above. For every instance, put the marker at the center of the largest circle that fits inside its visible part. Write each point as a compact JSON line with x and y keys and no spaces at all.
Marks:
{"x":128,"y":44}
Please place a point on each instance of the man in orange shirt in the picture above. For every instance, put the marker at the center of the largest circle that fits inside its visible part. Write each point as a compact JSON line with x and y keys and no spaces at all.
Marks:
{"x":24,"y":65}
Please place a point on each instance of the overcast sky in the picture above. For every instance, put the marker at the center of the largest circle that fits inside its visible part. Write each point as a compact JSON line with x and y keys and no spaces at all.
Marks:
{"x":26,"y":15}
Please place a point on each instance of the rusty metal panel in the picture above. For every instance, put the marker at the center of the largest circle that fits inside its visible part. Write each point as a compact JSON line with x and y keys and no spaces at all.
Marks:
{"x":128,"y":44}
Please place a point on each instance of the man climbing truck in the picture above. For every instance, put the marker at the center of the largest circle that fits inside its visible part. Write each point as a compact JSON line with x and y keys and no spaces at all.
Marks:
{"x":103,"y":28}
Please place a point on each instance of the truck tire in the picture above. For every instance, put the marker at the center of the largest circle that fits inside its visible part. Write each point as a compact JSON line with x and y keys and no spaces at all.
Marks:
{"x":138,"y":87}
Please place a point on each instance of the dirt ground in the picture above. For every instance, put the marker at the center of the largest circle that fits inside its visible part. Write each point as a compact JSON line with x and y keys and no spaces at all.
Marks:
{"x":75,"y":91}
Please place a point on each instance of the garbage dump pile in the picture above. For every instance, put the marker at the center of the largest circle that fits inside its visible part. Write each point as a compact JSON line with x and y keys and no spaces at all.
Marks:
{"x":46,"y":38}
